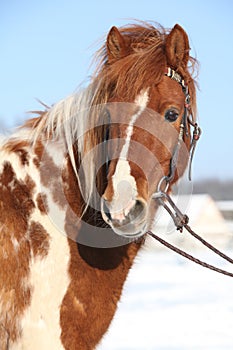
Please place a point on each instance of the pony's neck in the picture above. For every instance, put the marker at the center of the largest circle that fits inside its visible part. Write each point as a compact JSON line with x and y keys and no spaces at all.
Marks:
{"x":97,"y":278}
{"x":97,"y":275}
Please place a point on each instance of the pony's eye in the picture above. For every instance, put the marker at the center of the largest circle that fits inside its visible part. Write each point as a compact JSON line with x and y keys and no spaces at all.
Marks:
{"x":171,"y":115}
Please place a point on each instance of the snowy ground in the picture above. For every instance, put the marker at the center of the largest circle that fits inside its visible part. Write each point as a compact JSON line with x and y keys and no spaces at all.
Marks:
{"x":172,"y":304}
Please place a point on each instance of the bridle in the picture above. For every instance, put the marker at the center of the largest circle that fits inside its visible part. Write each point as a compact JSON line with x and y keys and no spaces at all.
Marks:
{"x":162,"y":196}
{"x":187,"y":118}
{"x":161,"y":193}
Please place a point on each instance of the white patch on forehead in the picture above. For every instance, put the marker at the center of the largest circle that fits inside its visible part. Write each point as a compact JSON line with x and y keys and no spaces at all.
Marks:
{"x":123,"y":171}
{"x":141,"y":101}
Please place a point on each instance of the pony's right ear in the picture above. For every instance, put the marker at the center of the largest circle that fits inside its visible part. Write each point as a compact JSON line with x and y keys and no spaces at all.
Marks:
{"x":177,"y":47}
{"x":116,"y":45}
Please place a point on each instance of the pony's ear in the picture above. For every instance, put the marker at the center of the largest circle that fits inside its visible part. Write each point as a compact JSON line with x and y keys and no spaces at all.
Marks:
{"x":177,"y":47}
{"x":116,"y":45}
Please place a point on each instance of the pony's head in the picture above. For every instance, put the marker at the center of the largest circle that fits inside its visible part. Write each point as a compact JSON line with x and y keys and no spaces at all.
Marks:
{"x":146,"y":113}
{"x":122,"y":131}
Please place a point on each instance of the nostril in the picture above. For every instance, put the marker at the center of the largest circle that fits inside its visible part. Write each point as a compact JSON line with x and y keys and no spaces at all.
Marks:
{"x":137,"y":210}
{"x":106,"y":210}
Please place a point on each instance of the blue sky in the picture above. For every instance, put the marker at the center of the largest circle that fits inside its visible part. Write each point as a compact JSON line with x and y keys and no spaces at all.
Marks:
{"x":47,"y":48}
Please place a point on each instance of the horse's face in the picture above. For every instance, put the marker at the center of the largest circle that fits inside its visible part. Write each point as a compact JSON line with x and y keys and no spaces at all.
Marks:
{"x":143,"y":135}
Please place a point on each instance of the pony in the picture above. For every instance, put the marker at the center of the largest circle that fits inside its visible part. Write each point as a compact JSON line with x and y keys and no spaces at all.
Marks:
{"x":76,"y":189}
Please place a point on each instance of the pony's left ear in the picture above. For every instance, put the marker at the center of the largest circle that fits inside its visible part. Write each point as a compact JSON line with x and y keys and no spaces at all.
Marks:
{"x":177,"y":47}
{"x":116,"y":45}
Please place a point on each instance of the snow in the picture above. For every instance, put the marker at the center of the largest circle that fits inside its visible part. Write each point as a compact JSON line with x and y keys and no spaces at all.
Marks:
{"x":225,"y":205}
{"x":171,"y":303}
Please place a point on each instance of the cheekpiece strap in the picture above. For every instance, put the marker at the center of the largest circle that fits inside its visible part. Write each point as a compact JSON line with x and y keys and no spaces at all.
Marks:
{"x":187,"y":118}
{"x":171,"y":73}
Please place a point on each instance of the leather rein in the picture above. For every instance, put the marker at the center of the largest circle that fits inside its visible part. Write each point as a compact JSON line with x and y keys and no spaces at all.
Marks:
{"x":162,"y":196}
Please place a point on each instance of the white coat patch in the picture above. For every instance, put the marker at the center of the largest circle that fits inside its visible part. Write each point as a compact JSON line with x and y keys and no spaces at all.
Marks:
{"x":49,"y":281}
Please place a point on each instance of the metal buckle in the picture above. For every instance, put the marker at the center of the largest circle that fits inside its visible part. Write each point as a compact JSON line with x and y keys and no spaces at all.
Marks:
{"x":179,"y":219}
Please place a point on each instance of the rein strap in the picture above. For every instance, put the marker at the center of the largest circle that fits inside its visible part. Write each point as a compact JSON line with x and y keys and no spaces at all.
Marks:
{"x":181,"y":221}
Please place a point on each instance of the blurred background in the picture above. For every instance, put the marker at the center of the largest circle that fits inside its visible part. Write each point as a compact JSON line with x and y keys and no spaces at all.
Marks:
{"x":46,"y":51}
